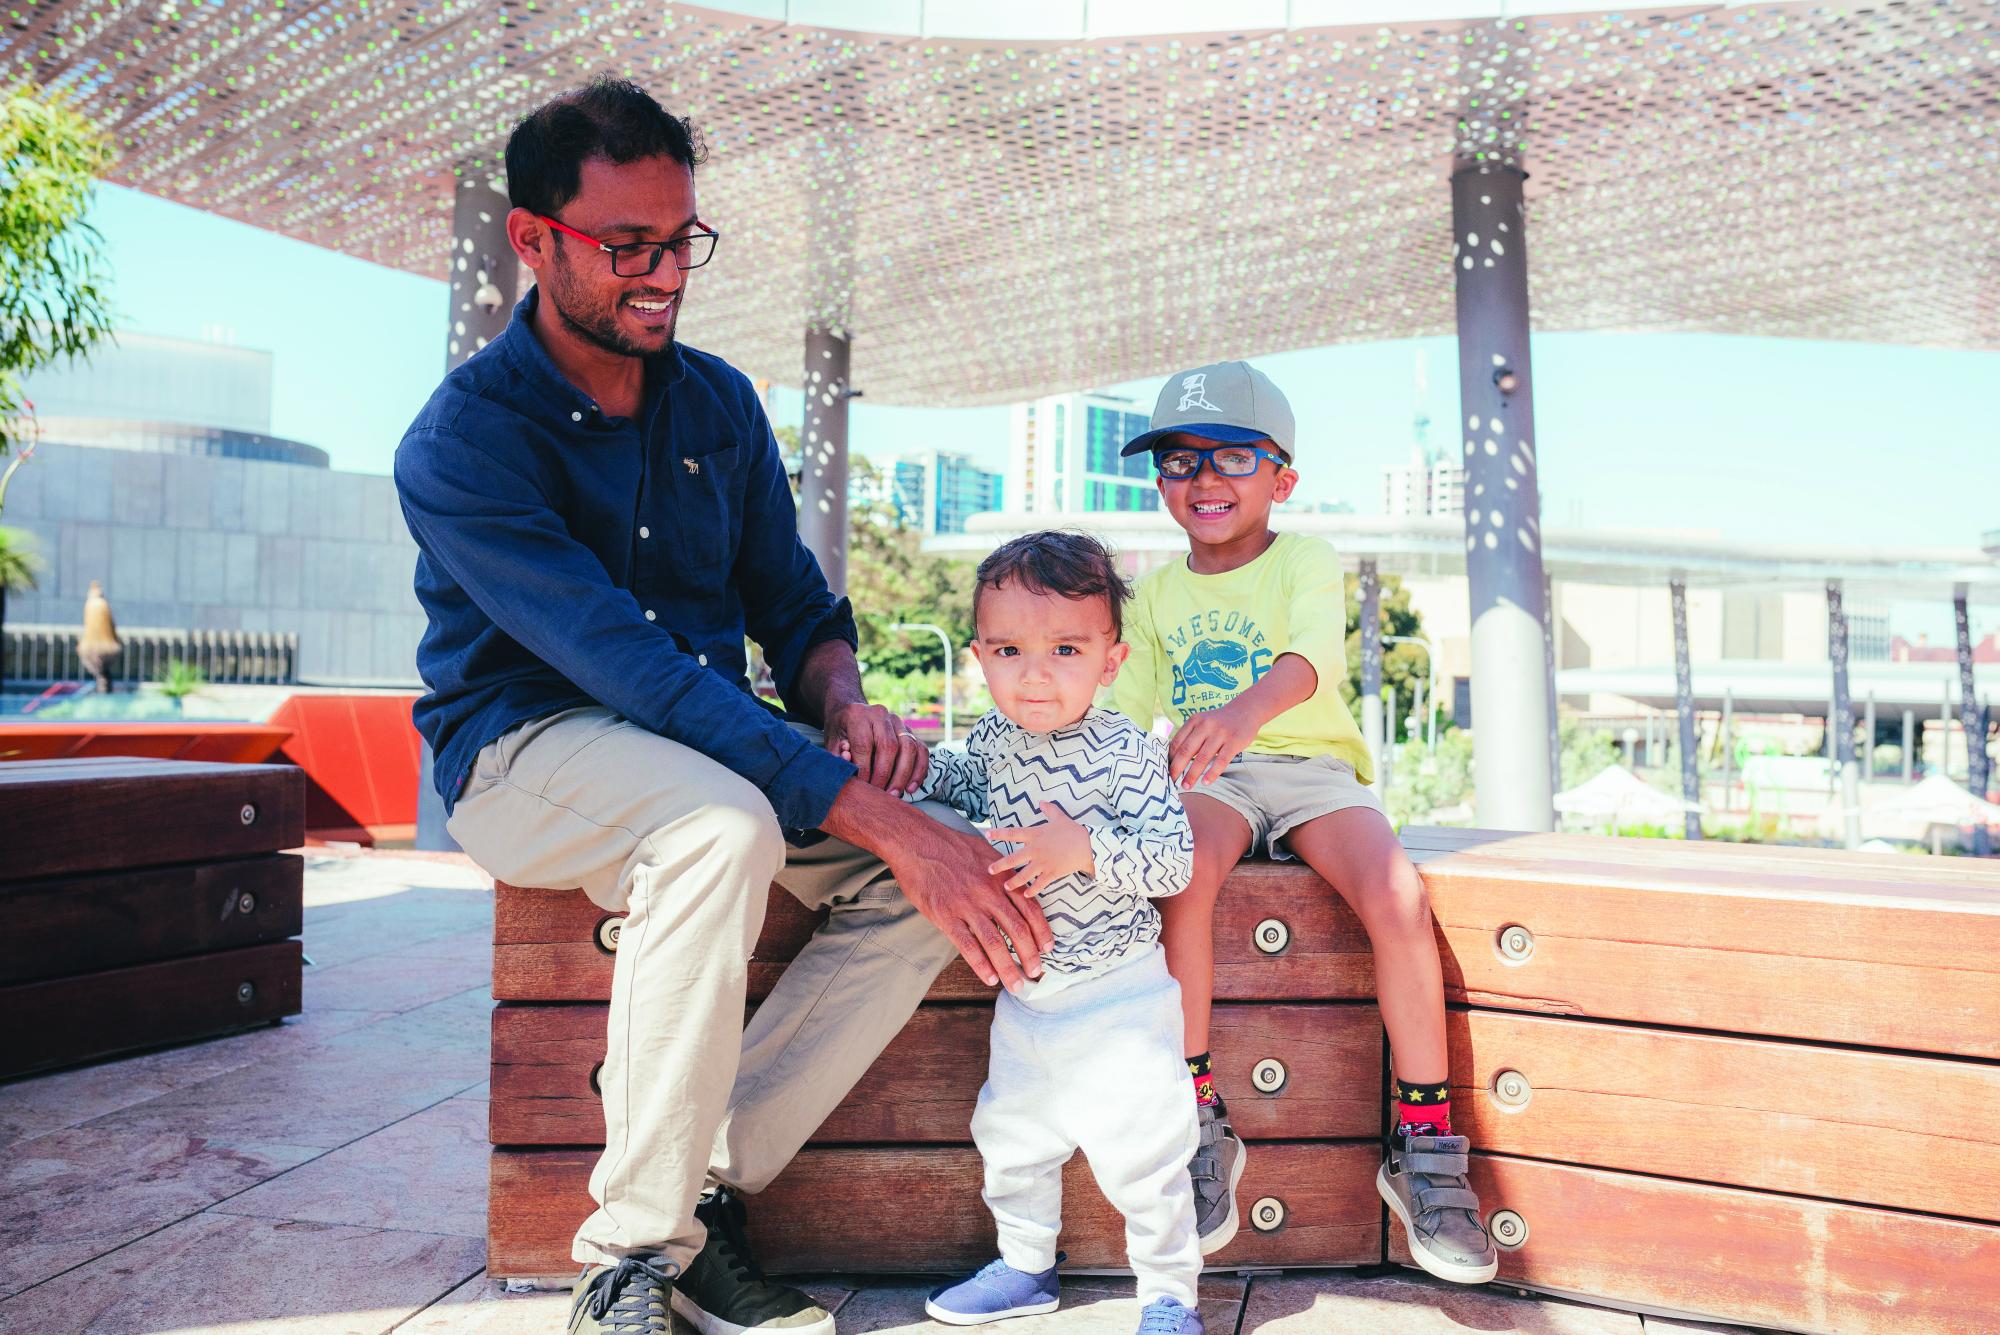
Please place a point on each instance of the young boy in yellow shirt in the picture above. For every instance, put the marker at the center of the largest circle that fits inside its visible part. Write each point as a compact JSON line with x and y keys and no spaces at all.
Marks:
{"x":1243,"y":646}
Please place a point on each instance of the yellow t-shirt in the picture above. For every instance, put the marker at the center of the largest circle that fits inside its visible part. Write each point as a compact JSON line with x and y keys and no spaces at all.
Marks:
{"x":1198,"y":640}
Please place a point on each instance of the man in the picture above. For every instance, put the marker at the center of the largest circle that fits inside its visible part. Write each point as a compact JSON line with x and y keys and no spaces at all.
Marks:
{"x":602,"y":516}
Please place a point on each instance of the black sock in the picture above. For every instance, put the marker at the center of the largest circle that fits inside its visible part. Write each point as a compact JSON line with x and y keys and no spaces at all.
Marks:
{"x":1423,"y":1110}
{"x":1204,"y":1085}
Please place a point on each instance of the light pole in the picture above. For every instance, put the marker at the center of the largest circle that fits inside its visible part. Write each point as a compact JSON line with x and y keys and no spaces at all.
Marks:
{"x":946,"y":641}
{"x":1430,"y":682}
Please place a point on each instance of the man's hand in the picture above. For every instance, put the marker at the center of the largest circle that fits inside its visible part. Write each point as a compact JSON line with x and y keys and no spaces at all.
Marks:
{"x":1205,"y":745}
{"x":882,"y":749}
{"x":943,"y":874}
{"x":1056,"y":848}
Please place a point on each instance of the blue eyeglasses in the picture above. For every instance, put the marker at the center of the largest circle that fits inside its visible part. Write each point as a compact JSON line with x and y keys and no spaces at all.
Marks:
{"x":1178,"y":465}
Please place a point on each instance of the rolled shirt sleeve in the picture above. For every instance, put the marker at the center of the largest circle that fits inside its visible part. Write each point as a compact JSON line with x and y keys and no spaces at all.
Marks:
{"x":493,"y":531}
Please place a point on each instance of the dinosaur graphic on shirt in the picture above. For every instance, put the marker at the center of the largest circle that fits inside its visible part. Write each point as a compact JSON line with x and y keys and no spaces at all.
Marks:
{"x":1214,"y":663}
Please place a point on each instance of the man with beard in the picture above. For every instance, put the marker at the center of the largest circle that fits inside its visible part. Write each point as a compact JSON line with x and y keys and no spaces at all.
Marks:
{"x":602,"y":517}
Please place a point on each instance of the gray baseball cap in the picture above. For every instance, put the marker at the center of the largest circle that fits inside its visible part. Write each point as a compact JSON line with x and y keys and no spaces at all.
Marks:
{"x":1231,"y":402}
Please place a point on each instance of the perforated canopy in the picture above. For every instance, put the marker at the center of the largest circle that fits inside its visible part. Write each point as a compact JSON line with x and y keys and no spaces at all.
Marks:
{"x":994,"y":219}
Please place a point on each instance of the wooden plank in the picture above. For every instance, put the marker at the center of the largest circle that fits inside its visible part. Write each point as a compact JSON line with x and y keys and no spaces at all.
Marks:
{"x":918,"y":1211}
{"x":544,"y":944}
{"x":1742,"y":1256}
{"x":80,"y":924}
{"x":923,"y":1087}
{"x":1796,"y":957}
{"x":61,"y":1021}
{"x":1790,"y":1117}
{"x":66,"y":816}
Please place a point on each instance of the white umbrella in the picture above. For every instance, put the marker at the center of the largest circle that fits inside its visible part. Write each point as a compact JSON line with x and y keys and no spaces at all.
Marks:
{"x":1617,"y":793}
{"x":1913,"y":812}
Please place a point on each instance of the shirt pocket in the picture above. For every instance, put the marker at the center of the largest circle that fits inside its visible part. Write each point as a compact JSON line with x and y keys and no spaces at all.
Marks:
{"x":708,"y":495}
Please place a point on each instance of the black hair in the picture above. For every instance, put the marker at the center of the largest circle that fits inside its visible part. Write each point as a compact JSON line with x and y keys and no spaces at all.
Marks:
{"x":607,"y":117}
{"x":1062,"y":561}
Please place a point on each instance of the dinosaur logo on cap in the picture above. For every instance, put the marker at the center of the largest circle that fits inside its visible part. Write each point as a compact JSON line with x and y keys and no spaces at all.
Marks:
{"x":1194,"y":393}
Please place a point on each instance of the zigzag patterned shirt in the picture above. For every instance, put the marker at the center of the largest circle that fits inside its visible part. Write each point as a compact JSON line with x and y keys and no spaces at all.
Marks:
{"x":1107,"y":774}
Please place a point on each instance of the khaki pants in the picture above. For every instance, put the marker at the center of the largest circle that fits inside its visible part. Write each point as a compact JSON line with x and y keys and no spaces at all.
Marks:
{"x":689,"y":849}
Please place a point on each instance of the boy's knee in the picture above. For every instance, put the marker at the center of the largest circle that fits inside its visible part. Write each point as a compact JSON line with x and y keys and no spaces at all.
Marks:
{"x":1396,"y":900}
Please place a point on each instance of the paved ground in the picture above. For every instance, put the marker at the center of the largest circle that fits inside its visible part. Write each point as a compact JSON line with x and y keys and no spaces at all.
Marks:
{"x":328,"y":1176}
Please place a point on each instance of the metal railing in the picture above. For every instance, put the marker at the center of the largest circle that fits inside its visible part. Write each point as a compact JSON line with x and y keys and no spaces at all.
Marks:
{"x":39,"y":656}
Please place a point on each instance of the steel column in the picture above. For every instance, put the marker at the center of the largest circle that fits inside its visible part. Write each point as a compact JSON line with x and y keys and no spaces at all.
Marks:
{"x":1868,"y":739}
{"x":1549,"y":666}
{"x":1684,"y":706}
{"x":1724,"y":743}
{"x":1909,"y":745}
{"x":823,"y":476}
{"x":1514,"y":783}
{"x":1840,"y":724}
{"x":1369,"y":587}
{"x":1969,"y":717}
{"x":482,"y":272}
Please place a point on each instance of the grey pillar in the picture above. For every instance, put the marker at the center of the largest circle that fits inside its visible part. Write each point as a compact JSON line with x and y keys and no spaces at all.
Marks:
{"x":483,"y":269}
{"x":1970,"y":719}
{"x":482,"y":273}
{"x":1389,"y":751}
{"x":1944,"y":732}
{"x":1514,"y":783}
{"x":1868,"y":739}
{"x":1909,"y":745}
{"x":1369,"y":586}
{"x":1549,"y":666}
{"x":1840,"y":722}
{"x":1684,"y":706}
{"x":1724,"y":744}
{"x":823,"y":477}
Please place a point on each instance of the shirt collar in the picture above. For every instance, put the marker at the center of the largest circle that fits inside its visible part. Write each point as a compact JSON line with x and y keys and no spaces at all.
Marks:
{"x":525,"y":353}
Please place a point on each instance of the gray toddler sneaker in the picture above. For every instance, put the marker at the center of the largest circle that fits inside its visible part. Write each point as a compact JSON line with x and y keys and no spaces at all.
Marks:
{"x":1216,"y":1168}
{"x":1423,"y":1181}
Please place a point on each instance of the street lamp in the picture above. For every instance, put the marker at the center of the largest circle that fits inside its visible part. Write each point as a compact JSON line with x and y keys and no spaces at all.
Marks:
{"x":1430,"y":681}
{"x":946,"y":641}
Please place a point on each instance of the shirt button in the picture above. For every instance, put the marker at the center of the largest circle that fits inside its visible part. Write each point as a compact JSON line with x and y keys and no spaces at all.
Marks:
{"x":576,"y":417}
{"x":645,"y":532}
{"x":650,"y":616}
{"x":701,"y":659}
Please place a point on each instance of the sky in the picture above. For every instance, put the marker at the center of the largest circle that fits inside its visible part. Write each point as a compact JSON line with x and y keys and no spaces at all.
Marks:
{"x":1749,"y":438}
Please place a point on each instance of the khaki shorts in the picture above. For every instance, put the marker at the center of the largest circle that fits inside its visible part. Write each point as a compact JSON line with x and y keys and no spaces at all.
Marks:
{"x":1275,"y":793}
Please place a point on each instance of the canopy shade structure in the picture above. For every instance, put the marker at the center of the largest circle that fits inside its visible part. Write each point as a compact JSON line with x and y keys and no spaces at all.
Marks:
{"x":990,"y":219}
{"x":1617,"y":794}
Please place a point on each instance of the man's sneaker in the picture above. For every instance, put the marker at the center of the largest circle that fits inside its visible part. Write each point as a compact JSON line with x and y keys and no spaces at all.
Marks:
{"x":1423,"y":1181}
{"x":994,"y":1294}
{"x":722,"y":1292}
{"x":1164,"y":1316}
{"x":629,"y":1298}
{"x":1216,"y":1168}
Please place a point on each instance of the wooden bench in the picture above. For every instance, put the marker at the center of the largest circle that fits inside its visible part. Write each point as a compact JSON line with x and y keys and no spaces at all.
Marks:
{"x":144,"y":902}
{"x":1754,"y":1084}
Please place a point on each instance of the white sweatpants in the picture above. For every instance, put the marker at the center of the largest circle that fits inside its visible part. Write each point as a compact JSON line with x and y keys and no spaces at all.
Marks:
{"x":1094,"y":1066}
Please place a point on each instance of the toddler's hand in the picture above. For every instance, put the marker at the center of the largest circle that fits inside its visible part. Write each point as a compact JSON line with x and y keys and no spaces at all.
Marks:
{"x":1048,"y":852}
{"x":1206,"y":744}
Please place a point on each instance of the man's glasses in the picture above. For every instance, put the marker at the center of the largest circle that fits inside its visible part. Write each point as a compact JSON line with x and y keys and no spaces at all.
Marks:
{"x":1226,"y":460}
{"x":636,"y":259}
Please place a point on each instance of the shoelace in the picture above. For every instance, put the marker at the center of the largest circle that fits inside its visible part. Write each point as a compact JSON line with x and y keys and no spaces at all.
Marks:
{"x":621,"y":1299}
{"x":728,"y":1222}
{"x":1161,"y":1318}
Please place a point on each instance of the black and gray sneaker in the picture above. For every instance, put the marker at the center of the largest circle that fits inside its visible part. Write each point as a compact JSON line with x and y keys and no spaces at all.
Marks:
{"x":1216,"y":1168}
{"x":723,"y":1292}
{"x":630,"y":1298}
{"x":1423,"y":1180}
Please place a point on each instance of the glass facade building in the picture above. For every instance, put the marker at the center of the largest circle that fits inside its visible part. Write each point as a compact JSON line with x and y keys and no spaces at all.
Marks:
{"x":1064,"y":459}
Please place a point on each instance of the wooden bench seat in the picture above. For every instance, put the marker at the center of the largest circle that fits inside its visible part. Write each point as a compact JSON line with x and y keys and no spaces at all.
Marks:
{"x":1701,"y":1079}
{"x":144,"y":902}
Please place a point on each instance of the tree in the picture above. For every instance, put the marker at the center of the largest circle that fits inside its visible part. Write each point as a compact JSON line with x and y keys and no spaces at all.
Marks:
{"x":1404,"y":666}
{"x":53,"y":300}
{"x":18,"y":567}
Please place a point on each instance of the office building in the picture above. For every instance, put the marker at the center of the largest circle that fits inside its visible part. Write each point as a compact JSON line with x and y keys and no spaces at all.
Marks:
{"x":936,"y":491}
{"x":1063,"y":457}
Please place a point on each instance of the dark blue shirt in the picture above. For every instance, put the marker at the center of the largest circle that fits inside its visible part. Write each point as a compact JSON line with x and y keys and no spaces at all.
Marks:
{"x":568,"y":558}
